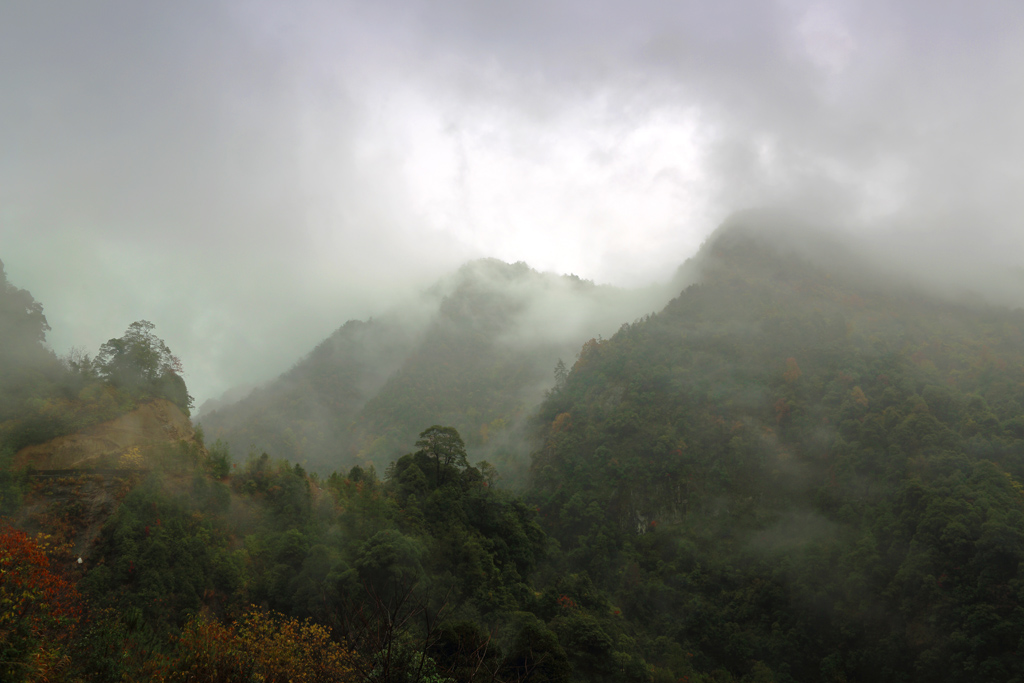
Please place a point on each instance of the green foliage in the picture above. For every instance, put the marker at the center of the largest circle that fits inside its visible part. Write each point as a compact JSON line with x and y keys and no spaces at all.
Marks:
{"x":389,"y":561}
{"x":160,"y":556}
{"x":785,"y":475}
{"x":285,"y":493}
{"x":535,"y":654}
{"x":307,"y":415}
{"x":787,"y":472}
{"x":445,"y":448}
{"x":12,"y":483}
{"x":479,"y":364}
{"x":43,"y":397}
{"x":29,"y":372}
{"x":219,"y":463}
{"x":141,"y":363}
{"x":23,"y":326}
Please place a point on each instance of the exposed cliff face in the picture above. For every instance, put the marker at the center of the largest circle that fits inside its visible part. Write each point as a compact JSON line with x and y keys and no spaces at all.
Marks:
{"x":78,"y":481}
{"x":150,"y":426}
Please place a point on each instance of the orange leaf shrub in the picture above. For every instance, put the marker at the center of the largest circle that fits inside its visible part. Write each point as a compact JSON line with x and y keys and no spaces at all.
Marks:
{"x":261,"y":646}
{"x":39,"y":609}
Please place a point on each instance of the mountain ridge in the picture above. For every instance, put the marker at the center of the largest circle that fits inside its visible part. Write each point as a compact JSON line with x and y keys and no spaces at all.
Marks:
{"x":513,"y":322}
{"x":809,"y":470}
{"x":790,"y":471}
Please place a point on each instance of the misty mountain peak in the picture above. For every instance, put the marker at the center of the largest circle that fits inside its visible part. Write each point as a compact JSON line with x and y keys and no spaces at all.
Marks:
{"x":495,"y":275}
{"x":779,"y":234}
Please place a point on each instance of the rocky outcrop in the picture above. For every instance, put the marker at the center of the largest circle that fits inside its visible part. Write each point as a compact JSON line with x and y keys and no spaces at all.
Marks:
{"x":152,"y":425}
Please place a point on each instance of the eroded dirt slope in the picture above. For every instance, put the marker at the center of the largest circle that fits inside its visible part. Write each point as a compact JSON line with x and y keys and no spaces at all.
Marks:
{"x":152,"y":424}
{"x":77,"y":481}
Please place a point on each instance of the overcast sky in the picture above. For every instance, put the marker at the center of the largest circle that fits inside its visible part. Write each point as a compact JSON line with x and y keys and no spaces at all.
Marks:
{"x":249,"y":175}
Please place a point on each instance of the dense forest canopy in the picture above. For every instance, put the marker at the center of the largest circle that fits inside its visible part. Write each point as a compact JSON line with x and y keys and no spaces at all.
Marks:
{"x":789,"y":467}
{"x":793,"y":471}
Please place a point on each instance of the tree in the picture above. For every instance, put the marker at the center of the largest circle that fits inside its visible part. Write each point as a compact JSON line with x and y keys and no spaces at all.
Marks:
{"x":26,"y":365}
{"x":21,"y":317}
{"x":561,"y":375}
{"x":141,"y":362}
{"x":137,"y":358}
{"x":39,"y":610}
{"x":264,"y":646}
{"x":445,"y":447}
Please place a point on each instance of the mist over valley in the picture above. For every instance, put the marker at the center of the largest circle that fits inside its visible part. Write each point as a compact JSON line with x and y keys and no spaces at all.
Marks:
{"x":447,"y":342}
{"x":797,"y":435}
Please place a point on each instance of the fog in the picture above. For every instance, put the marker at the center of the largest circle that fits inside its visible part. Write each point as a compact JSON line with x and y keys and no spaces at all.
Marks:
{"x":248,"y":176}
{"x":476,"y":350}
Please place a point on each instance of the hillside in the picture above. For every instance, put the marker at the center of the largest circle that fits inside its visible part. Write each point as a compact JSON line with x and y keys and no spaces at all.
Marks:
{"x":799,"y":469}
{"x":144,"y":430}
{"x":43,"y":396}
{"x":799,"y":472}
{"x":308,"y":413}
{"x":476,"y":352}
{"x":74,"y":483}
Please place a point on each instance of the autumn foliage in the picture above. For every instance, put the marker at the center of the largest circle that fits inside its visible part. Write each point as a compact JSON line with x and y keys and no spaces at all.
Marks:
{"x":39,"y":609}
{"x":793,"y":372}
{"x":262,"y":646}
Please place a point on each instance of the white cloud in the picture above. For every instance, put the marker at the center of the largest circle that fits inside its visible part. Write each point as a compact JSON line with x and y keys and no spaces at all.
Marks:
{"x":249,"y":174}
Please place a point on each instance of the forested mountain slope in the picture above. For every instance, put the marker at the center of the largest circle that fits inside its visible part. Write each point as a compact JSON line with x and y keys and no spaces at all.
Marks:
{"x":796,"y":471}
{"x":799,"y":471}
{"x":308,"y":413}
{"x":477,"y":353}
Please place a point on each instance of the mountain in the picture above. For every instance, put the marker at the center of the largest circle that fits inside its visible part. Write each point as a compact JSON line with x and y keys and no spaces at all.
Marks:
{"x":799,"y":470}
{"x":307,"y":414}
{"x":804,"y":467}
{"x":476,"y":352}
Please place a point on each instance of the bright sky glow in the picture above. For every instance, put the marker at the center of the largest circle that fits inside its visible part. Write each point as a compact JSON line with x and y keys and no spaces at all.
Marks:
{"x":249,"y":175}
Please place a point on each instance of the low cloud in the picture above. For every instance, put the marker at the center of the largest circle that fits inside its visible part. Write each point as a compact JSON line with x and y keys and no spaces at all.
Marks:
{"x":249,"y":175}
